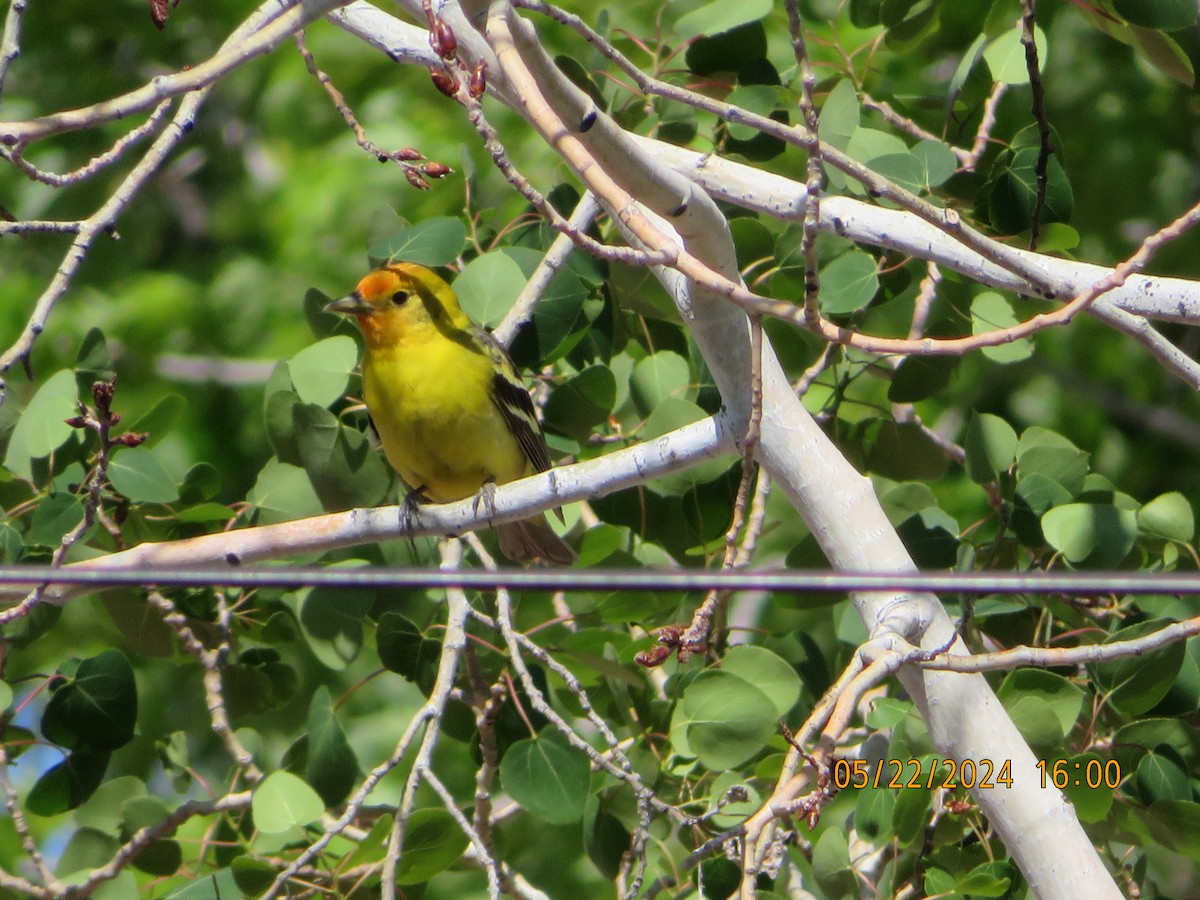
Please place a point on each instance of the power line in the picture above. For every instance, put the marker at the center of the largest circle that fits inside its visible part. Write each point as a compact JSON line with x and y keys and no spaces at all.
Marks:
{"x":790,"y":581}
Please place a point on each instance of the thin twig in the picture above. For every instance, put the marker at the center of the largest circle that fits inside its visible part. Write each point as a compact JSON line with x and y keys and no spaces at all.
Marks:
{"x":270,"y":24}
{"x":97,"y":163}
{"x":555,"y":257}
{"x":984,"y":133}
{"x":10,"y":45}
{"x":454,"y":642}
{"x":1039,"y":116}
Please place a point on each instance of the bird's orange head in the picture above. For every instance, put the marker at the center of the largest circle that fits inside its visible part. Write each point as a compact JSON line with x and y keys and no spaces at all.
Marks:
{"x":398,"y":300}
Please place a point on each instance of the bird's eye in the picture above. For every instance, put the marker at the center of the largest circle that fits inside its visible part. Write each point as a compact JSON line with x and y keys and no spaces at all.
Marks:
{"x":399,"y":297}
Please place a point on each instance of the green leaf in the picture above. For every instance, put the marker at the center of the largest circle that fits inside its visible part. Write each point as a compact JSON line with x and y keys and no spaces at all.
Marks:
{"x":606,"y":840}
{"x":97,"y":709}
{"x":1132,"y":741}
{"x":258,"y":682}
{"x":1064,"y":698}
{"x":656,"y":378}
{"x":874,"y":809}
{"x":42,"y":428}
{"x":1034,"y":495}
{"x":1163,"y":52}
{"x":868,"y":144}
{"x":331,"y":766}
{"x":991,"y":448}
{"x":768,"y":672}
{"x":761,"y":99}
{"x":93,"y":362}
{"x":1091,"y":802}
{"x":253,"y":876}
{"x":142,"y":811}
{"x":547,"y":776}
{"x":1013,"y":197}
{"x":200,"y":482}
{"x":87,"y":849}
{"x":1160,"y":15}
{"x":1136,"y":684}
{"x":906,"y":499}
{"x":578,"y":406}
{"x":214,"y":885}
{"x":433,"y":242}
{"x":332,"y":620}
{"x":720,"y":16}
{"x":938,"y":162}
{"x":931,"y":537}
{"x":866,"y":13}
{"x":831,"y":864}
{"x":138,"y":473}
{"x":982,"y":882}
{"x":1157,"y":48}
{"x":432,"y":842}
{"x":162,"y":857}
{"x":992,"y":312}
{"x":281,"y":426}
{"x":726,"y":51}
{"x":406,"y":651}
{"x":1094,"y":535}
{"x":902,"y":169}
{"x":1168,"y":516}
{"x":488,"y":286}
{"x":54,"y":517}
{"x":282,"y":802}
{"x":848,"y":283}
{"x":1005,"y":56}
{"x":1161,"y":775}
{"x":102,"y":812}
{"x":321,"y":371}
{"x":1176,"y":825}
{"x":345,"y":470}
{"x":562,"y":316}
{"x":728,"y":719}
{"x":11,"y":546}
{"x":911,"y":815}
{"x":67,"y":784}
{"x":919,"y":377}
{"x":840,"y":115}
{"x":1036,"y":720}
{"x":1050,"y":454}
{"x":283,"y":492}
{"x":902,"y":451}
{"x":159,"y":420}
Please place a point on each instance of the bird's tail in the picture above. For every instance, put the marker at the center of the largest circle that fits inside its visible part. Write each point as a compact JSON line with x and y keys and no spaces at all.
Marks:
{"x":532,"y":541}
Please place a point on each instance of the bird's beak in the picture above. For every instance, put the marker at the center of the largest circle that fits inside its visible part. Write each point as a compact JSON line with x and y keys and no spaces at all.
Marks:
{"x":350,"y":305}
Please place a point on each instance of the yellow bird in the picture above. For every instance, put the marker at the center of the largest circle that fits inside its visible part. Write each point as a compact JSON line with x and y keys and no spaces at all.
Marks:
{"x":451,"y":411}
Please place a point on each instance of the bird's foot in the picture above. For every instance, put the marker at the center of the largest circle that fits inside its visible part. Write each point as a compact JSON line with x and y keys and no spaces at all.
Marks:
{"x":486,"y":498}
{"x":408,"y":507}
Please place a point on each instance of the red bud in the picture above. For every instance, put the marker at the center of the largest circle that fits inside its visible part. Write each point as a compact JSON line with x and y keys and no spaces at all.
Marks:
{"x":444,"y":82}
{"x":442,"y":39}
{"x":478,"y":83}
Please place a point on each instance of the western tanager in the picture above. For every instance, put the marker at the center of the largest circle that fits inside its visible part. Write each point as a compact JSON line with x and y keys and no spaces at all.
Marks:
{"x":451,"y":411}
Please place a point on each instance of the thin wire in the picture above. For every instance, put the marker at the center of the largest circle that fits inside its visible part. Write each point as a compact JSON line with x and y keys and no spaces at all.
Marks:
{"x":976,"y":583}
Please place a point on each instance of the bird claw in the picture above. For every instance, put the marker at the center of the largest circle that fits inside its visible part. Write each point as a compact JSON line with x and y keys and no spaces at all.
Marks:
{"x":408,"y":508}
{"x":486,"y":498}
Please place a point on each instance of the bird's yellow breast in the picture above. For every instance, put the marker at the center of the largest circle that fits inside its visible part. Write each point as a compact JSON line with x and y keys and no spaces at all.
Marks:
{"x":431,"y":400}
